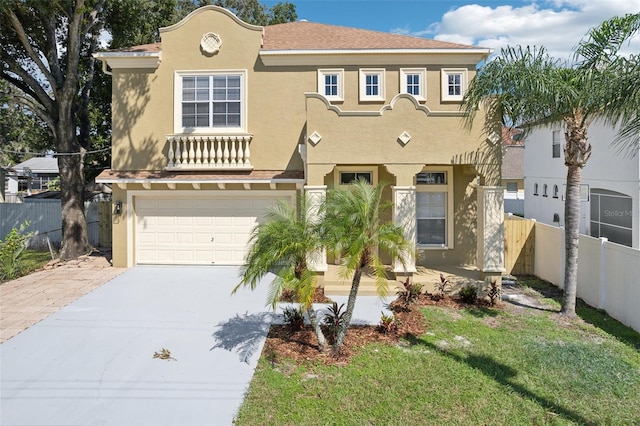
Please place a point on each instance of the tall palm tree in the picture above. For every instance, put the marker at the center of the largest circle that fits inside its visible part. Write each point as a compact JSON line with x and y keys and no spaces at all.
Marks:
{"x":352,"y":227}
{"x":525,"y":86}
{"x":282,"y":244}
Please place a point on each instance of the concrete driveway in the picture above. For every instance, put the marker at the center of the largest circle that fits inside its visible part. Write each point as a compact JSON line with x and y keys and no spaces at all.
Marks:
{"x":91,"y":363}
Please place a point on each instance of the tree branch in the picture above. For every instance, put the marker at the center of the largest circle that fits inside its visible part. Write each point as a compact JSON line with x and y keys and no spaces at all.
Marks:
{"x":24,"y":40}
{"x":36,"y":108}
{"x":27,"y":83}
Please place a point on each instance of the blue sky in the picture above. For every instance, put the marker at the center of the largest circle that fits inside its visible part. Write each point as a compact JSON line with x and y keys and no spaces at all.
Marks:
{"x":556,"y":24}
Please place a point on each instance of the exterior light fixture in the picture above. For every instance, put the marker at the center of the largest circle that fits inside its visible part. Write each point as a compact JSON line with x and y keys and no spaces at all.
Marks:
{"x":118,"y":208}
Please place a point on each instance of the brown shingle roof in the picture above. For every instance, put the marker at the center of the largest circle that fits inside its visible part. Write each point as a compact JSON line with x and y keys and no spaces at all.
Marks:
{"x":311,"y":35}
{"x":513,"y":162}
{"x":303,"y":35}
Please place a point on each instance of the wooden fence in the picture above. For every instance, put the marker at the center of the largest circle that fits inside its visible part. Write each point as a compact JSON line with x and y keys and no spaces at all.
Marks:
{"x":519,"y":245}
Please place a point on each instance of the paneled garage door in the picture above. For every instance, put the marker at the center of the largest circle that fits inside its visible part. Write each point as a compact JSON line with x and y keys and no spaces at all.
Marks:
{"x":198,"y":231}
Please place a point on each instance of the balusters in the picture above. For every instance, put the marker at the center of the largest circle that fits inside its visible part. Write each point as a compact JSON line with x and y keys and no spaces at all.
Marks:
{"x":208,"y":152}
{"x":247,"y":153}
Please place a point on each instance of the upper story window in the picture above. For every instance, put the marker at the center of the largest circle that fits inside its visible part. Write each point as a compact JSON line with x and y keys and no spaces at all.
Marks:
{"x":210,"y":102}
{"x":454,"y":82}
{"x":556,"y":143}
{"x":555,"y":191}
{"x":414,"y":82}
{"x":331,"y":84}
{"x":512,"y":187}
{"x":545,"y":192}
{"x":372,"y":85}
{"x":535,"y":189}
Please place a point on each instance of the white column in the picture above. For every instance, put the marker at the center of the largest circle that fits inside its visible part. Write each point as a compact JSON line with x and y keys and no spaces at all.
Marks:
{"x":315,"y":196}
{"x":404,"y":215}
{"x":490,"y":235}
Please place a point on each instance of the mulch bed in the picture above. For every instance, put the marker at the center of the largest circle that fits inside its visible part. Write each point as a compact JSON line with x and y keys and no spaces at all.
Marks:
{"x":302,"y":346}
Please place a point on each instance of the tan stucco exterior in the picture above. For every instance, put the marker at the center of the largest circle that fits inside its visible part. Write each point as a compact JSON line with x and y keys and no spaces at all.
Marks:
{"x":397,"y":137}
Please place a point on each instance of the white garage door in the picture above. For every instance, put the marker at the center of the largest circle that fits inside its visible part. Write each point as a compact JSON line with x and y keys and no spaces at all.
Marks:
{"x":198,"y":231}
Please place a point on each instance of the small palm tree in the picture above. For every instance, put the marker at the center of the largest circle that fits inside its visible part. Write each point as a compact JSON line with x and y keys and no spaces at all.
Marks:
{"x":352,"y":227}
{"x":282,"y":244}
{"x":525,"y":86}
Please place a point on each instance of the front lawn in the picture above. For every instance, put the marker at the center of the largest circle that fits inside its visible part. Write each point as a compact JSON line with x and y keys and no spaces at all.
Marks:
{"x":472,"y":366}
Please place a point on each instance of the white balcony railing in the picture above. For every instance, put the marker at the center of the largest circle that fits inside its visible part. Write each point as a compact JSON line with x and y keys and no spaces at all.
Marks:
{"x":207,"y":152}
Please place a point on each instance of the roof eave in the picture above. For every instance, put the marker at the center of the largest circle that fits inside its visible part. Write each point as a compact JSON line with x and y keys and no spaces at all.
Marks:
{"x":324,"y":57}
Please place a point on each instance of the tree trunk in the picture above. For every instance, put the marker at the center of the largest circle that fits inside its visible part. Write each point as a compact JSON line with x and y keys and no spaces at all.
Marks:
{"x":571,"y":238}
{"x":576,"y":154}
{"x":313,"y":319}
{"x":351,"y":303}
{"x":74,"y":224}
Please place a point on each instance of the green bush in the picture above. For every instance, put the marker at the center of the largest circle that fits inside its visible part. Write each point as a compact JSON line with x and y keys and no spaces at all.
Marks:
{"x":468,"y":294}
{"x":11,"y":265}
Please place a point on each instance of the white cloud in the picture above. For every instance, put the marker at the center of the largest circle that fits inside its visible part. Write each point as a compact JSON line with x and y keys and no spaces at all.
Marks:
{"x":556,"y":24}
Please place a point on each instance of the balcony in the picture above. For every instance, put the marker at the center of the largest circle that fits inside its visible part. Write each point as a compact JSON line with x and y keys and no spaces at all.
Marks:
{"x":208,"y":152}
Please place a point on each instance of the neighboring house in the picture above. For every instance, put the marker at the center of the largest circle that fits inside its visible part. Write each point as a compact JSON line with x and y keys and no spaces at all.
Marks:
{"x":29,"y":177}
{"x":513,"y":170}
{"x":610,"y":192}
{"x":222,"y":118}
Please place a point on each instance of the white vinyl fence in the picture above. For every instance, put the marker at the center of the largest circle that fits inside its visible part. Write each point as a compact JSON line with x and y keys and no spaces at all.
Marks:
{"x":608,"y":273}
{"x":46,"y":221}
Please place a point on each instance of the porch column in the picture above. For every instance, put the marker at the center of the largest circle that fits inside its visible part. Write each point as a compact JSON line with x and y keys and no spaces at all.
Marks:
{"x":315,"y":196}
{"x":404,"y":215}
{"x":490,"y":236}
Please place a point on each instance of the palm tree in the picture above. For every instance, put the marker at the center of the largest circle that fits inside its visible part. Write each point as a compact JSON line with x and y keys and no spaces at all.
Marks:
{"x":352,"y":227}
{"x":525,"y":86}
{"x":282,"y":243}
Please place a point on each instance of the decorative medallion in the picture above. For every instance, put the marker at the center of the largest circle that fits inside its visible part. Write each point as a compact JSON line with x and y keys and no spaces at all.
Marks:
{"x":315,"y":138}
{"x":210,"y":43}
{"x":404,"y":138}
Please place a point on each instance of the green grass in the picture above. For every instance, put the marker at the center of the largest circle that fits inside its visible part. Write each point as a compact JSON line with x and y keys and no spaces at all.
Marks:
{"x":473,"y":366}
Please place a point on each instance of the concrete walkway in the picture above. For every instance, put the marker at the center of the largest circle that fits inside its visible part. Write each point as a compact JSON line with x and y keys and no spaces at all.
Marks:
{"x":29,"y":299}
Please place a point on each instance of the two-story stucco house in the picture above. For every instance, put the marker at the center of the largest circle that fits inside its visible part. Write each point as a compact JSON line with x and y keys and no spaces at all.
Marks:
{"x":222,"y":118}
{"x":610,"y":192}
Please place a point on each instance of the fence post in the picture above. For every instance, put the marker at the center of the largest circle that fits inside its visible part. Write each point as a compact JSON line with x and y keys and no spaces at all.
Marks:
{"x":603,"y":273}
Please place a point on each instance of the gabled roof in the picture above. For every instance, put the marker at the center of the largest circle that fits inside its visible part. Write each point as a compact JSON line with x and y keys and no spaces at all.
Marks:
{"x":304,"y":35}
{"x":38,"y":165}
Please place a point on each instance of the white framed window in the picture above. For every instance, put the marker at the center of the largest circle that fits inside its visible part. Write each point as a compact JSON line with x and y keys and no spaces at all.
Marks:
{"x":555,"y":191}
{"x":434,"y":207}
{"x":372,"y":85}
{"x":346,"y":175}
{"x":454,"y":83}
{"x":210,"y":101}
{"x":545,"y":191}
{"x":556,"y":143}
{"x":414,"y":82}
{"x":331,"y":84}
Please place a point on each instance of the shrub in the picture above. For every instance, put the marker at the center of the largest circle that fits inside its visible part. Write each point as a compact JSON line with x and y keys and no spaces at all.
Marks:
{"x":334,"y":319}
{"x":409,"y":295}
{"x":11,"y":265}
{"x":388,"y":324}
{"x":441,"y":288}
{"x":294,"y":318}
{"x":494,"y":292}
{"x":468,"y":294}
